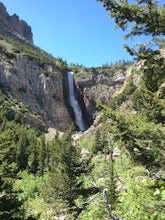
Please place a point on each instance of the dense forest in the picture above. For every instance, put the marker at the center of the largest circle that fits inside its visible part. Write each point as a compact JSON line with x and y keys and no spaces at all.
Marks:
{"x":117,"y":171}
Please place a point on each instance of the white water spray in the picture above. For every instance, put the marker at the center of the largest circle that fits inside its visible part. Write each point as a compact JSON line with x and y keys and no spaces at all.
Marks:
{"x":74,"y":103}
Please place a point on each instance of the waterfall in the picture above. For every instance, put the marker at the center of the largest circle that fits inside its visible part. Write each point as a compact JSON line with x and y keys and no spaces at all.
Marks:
{"x":74,"y":103}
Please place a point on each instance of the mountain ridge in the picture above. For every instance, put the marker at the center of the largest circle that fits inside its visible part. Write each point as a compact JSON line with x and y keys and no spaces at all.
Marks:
{"x":12,"y":26}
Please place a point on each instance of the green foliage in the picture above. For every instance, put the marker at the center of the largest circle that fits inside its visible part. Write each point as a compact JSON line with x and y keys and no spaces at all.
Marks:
{"x":22,"y":154}
{"x":19,"y":148}
{"x":8,"y":198}
{"x":67,"y":168}
{"x":43,"y":178}
{"x":86,"y":142}
{"x":154,"y":75}
{"x":148,"y":104}
{"x":111,"y":184}
{"x":42,"y":156}
{"x":145,"y":99}
{"x":137,"y":201}
{"x":29,"y":187}
{"x":138,"y":196}
{"x":95,"y":210}
{"x":146,"y":17}
{"x":107,"y":68}
{"x":98,"y":143}
{"x":124,"y":96}
{"x":118,"y":65}
{"x":62,"y":65}
{"x":144,"y":143}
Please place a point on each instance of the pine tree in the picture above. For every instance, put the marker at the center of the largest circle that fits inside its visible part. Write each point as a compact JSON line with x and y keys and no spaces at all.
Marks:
{"x":22,"y":150}
{"x":33,"y":162}
{"x":145,"y":16}
{"x":42,"y":156}
{"x":9,"y":204}
{"x":66,"y":174}
{"x":99,"y":142}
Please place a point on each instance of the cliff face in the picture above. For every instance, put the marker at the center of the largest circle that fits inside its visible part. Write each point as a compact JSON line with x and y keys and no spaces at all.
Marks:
{"x":100,"y":86}
{"x":39,"y":88}
{"x":12,"y":26}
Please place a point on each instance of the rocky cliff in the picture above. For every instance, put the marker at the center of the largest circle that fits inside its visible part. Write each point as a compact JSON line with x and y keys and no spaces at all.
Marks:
{"x":12,"y":26}
{"x":39,"y":88}
{"x":101,"y":85}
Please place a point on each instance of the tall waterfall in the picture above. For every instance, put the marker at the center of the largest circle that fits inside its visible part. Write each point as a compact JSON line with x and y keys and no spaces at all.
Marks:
{"x":74,"y":103}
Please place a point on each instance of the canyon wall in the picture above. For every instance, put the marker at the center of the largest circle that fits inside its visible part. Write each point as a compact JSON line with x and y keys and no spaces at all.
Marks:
{"x":40,"y":88}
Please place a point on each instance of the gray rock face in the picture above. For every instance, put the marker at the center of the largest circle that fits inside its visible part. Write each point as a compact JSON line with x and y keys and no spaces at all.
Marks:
{"x":12,"y":26}
{"x":23,"y":79}
{"x":100,"y":87}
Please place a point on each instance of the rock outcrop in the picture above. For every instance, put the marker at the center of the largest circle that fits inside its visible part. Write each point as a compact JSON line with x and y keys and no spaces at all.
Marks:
{"x":100,"y":86}
{"x":12,"y":26}
{"x":39,"y":88}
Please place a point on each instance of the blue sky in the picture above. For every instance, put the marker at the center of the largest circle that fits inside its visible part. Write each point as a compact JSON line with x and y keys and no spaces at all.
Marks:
{"x":78,"y":31}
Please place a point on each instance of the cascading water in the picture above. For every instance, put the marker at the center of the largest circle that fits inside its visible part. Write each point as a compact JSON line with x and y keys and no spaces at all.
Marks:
{"x":74,"y":103}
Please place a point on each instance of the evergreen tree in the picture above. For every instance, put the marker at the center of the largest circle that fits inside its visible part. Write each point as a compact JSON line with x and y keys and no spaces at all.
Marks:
{"x":144,"y":140}
{"x":22,"y":150}
{"x":33,"y":162}
{"x":99,"y":142}
{"x":145,"y":16}
{"x":42,"y":156}
{"x":9,"y":204}
{"x":66,"y":174}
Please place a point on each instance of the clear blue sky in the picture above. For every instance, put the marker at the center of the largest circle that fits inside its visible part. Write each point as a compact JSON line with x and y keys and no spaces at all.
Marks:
{"x":78,"y":31}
